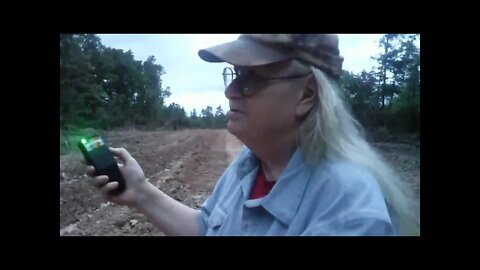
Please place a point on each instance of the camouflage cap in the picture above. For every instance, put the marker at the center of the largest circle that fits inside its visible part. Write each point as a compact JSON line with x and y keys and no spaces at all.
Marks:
{"x":320,"y":50}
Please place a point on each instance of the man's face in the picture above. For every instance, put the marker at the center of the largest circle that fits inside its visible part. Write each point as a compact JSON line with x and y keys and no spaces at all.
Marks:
{"x":269,"y":106}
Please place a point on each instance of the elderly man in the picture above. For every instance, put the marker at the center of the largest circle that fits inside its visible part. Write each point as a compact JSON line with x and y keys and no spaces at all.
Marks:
{"x":305,"y":168}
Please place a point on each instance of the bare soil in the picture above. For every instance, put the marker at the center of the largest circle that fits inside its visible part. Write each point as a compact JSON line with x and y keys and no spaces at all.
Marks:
{"x":184,"y":164}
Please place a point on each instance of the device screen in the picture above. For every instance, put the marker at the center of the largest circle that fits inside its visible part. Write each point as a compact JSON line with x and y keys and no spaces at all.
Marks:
{"x":93,"y":143}
{"x":98,"y":152}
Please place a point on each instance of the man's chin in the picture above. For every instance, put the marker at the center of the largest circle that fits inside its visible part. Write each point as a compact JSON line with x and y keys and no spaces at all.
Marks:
{"x":234,"y":127}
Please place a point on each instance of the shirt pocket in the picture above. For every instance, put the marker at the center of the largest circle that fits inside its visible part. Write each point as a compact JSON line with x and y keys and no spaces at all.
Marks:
{"x":216,"y":220}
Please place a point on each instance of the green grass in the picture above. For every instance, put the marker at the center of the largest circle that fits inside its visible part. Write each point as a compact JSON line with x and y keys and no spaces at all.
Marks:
{"x":68,"y":142}
{"x":69,"y":139}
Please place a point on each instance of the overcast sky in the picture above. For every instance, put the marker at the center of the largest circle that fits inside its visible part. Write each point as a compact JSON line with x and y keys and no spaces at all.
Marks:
{"x":197,"y":84}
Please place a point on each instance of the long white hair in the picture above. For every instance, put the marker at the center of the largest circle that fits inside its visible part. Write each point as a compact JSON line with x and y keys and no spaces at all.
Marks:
{"x":330,"y":132}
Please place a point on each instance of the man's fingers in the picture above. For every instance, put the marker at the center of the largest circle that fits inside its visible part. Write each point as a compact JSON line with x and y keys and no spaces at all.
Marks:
{"x":100,"y":181}
{"x":90,"y":171}
{"x":106,"y":189}
{"x":121,"y":153}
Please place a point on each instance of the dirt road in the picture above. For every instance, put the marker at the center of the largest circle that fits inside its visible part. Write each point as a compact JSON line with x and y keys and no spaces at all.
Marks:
{"x":184,"y":164}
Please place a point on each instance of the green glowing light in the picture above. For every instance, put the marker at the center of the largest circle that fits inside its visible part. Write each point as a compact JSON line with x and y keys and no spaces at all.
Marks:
{"x":84,"y":141}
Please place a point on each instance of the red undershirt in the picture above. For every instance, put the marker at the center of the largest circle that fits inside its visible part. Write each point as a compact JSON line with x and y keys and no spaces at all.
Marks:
{"x":261,"y":187}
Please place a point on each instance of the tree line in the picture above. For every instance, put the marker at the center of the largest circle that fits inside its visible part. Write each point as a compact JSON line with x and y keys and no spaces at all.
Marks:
{"x":388,"y":96}
{"x":105,"y":88}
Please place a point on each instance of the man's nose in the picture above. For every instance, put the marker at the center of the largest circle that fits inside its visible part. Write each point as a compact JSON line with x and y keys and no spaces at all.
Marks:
{"x":232,"y":90}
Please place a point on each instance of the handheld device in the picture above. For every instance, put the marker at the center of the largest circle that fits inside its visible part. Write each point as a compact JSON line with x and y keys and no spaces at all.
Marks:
{"x":96,"y":153}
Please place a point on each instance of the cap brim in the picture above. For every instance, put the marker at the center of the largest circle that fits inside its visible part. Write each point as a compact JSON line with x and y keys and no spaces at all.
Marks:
{"x":244,"y":52}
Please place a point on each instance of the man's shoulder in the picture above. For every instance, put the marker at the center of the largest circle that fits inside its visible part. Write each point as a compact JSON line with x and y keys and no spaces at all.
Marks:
{"x":348,"y":191}
{"x":343,"y":175}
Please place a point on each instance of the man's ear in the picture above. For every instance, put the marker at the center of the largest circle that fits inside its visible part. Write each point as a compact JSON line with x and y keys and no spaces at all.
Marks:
{"x":307,"y":98}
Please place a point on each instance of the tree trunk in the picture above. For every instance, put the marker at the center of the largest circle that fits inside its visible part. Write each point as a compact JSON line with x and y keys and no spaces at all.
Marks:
{"x":384,"y":75}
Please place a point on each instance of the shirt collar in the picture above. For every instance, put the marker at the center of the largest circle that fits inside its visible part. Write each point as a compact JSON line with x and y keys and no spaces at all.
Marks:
{"x":286,"y":195}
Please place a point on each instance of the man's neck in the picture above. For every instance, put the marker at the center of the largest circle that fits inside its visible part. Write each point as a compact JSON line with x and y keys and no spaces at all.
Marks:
{"x":274,"y":154}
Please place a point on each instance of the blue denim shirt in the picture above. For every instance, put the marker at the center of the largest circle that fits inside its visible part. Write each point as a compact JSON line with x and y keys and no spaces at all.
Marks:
{"x":333,"y":198}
